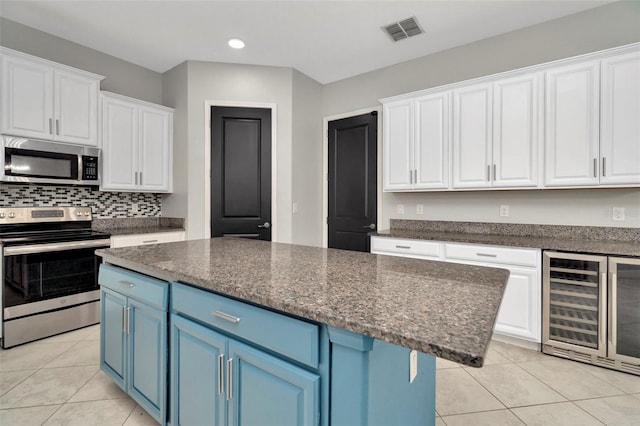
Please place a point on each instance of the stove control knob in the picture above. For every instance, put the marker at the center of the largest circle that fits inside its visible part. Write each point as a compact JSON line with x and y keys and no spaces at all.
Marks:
{"x":12,"y":215}
{"x":78,"y":213}
{"x":86,"y":213}
{"x":2,"y":215}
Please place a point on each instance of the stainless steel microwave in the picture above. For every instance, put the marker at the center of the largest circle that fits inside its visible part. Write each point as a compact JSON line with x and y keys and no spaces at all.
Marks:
{"x":37,"y":161}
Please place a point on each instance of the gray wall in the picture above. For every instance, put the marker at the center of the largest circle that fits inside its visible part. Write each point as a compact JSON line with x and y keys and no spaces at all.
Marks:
{"x":122,"y":77}
{"x":596,"y":29}
{"x":210,"y":81}
{"x":307,"y":160}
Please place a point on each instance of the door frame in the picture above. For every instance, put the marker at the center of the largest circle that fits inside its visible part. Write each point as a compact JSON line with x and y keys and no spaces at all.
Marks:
{"x":325,"y":166}
{"x":208,"y":104}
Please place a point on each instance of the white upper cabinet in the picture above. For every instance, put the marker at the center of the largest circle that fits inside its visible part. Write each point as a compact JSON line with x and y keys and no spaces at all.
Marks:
{"x":472,"y":129}
{"x":516,"y":131}
{"x":45,"y":100}
{"x":398,"y":137}
{"x":431,"y":148}
{"x":572,"y":122}
{"x":136,"y":145}
{"x":620,"y":120}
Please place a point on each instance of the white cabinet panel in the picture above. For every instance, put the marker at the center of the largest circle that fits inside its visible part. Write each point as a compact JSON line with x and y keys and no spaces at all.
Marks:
{"x":519,"y":314}
{"x":472,"y":129}
{"x":76,"y":108}
{"x":571,"y":142}
{"x":431,"y":153}
{"x":620,"y":120}
{"x":119,"y":143}
{"x":515,"y":135}
{"x":145,"y":239}
{"x":155,"y":128}
{"x":406,"y":248}
{"x":398,"y":145}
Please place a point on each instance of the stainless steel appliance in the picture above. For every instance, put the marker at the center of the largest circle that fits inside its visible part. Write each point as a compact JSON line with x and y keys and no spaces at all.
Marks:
{"x":591,"y":309}
{"x":49,"y":271}
{"x":36,"y":161}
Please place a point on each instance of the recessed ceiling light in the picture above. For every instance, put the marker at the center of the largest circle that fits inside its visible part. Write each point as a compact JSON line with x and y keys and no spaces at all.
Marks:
{"x":236,"y":43}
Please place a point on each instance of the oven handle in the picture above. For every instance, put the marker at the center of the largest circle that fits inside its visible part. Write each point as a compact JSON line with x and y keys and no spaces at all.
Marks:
{"x":46,"y":248}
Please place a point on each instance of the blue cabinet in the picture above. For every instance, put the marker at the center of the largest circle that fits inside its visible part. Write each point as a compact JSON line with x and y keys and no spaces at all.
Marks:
{"x":217,"y":379}
{"x":133,"y":347}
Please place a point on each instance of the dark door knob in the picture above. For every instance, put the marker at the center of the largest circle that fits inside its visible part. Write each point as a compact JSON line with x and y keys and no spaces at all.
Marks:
{"x":265,"y":225}
{"x":372,"y":226}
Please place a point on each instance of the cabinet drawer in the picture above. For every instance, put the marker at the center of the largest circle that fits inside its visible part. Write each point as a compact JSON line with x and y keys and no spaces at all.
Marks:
{"x":150,"y":290}
{"x":143,"y":239}
{"x":405,"y":247}
{"x":491,"y":254}
{"x":293,"y":338}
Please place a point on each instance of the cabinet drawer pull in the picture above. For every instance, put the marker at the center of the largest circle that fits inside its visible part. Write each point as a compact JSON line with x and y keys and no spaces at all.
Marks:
{"x":149,"y":241}
{"x":229,"y":379}
{"x":404,"y":247}
{"x":57,"y":127}
{"x":486,"y":255}
{"x":226,"y":317}
{"x":127,"y":283}
{"x":221,"y":374}
{"x":51,"y":125}
{"x":595,"y":167}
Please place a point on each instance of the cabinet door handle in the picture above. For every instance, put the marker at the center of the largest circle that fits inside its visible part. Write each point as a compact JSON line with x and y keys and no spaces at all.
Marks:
{"x":613,"y":314}
{"x":226,"y":317}
{"x":486,"y":255}
{"x":140,"y":178}
{"x":57,"y":127}
{"x":127,"y":283}
{"x":494,"y":172}
{"x":136,"y":177}
{"x":124,"y":320}
{"x":51,"y":125}
{"x":488,"y":173}
{"x":221,"y":374}
{"x":229,"y":379}
{"x":149,"y":241}
{"x":404,"y":247}
{"x":604,"y":166}
{"x":411,"y":176}
{"x":595,"y":167}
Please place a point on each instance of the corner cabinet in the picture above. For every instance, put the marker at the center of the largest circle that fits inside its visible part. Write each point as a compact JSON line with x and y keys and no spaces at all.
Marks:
{"x":137,"y":145}
{"x":45,"y":100}
{"x":218,"y":379}
{"x":133,"y":328}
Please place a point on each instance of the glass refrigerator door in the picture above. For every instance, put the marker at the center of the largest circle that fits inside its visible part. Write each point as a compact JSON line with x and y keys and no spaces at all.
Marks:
{"x":624,"y":309}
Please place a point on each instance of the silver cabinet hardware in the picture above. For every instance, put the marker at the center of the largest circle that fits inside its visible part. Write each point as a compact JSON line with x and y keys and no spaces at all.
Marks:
{"x":51,"y":125}
{"x":57,"y":127}
{"x":124,"y":320}
{"x":126,"y":283}
{"x":371,"y":226}
{"x":604,"y":166}
{"x":136,"y":178}
{"x":415,"y":176}
{"x":486,"y":255}
{"x":140,"y":178}
{"x":613,"y":303}
{"x":221,"y":374}
{"x":149,"y":241}
{"x":229,"y":379}
{"x":226,"y":317}
{"x":404,"y":247}
{"x":595,"y":167}
{"x":411,"y":176}
{"x":494,"y":172}
{"x":488,"y":173}
{"x":265,"y":225}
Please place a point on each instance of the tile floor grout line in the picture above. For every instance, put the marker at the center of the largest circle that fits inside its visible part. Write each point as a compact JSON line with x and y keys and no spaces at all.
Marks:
{"x":588,"y":413}
{"x":485,"y":388}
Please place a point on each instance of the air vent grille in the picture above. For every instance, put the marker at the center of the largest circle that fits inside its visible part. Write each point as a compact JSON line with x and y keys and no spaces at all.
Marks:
{"x":404,"y":29}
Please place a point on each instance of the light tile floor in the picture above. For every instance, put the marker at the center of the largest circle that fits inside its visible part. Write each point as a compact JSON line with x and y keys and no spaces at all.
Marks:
{"x":57,"y":381}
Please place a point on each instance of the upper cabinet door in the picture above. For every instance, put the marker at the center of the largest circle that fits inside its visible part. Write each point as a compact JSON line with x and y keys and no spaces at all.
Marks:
{"x":119,"y":145}
{"x":472,"y":128}
{"x":515,"y":132}
{"x":398,"y":145}
{"x":572,"y":120}
{"x":155,"y":145}
{"x":27,"y":100}
{"x":76,"y":106}
{"x":620,"y":120}
{"x":432,"y":140}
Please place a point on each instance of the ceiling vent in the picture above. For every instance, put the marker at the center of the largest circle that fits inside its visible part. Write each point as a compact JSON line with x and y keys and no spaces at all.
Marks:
{"x":403,"y":29}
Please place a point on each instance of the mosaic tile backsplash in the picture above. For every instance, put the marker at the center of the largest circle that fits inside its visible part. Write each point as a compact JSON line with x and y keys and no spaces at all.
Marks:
{"x":105,"y":205}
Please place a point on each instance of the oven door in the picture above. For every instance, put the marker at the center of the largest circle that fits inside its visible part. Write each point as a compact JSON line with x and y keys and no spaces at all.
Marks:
{"x":43,"y":277}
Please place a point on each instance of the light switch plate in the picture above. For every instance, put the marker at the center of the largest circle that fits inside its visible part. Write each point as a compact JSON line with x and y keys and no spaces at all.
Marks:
{"x":400,"y":208}
{"x":134,"y":208}
{"x":420,"y":209}
{"x":413,"y":365}
{"x":504,"y":210}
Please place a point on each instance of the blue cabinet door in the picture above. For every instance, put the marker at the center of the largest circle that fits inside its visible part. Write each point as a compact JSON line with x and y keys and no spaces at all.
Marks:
{"x":147,"y":355}
{"x":113,"y":337}
{"x":197,"y":382}
{"x":267,"y":391}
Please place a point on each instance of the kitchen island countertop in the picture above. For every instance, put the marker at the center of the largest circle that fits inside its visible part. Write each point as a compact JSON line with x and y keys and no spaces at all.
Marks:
{"x":442,"y":309}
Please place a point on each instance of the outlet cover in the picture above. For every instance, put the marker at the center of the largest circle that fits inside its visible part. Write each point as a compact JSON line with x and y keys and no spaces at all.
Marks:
{"x":295,"y":208}
{"x":420,"y":209}
{"x":618,"y":214}
{"x":134,"y":208}
{"x":504,"y":210}
{"x":400,"y":208}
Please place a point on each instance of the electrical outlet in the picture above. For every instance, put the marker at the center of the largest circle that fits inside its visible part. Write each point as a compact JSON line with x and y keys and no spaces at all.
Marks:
{"x":400,"y":208}
{"x":295,"y":208}
{"x":504,"y":210}
{"x":618,"y":214}
{"x":134,"y":208}
{"x":419,"y":209}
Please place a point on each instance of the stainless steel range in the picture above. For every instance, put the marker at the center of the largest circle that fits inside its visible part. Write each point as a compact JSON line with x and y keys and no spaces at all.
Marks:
{"x":49,"y":271}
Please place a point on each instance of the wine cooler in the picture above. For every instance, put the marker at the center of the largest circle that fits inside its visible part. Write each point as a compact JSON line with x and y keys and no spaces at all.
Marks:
{"x":591,"y":309}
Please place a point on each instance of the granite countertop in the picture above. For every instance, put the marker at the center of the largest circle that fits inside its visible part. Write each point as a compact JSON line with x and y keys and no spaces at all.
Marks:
{"x":138,"y":225}
{"x":447,"y":310}
{"x":580,"y":239}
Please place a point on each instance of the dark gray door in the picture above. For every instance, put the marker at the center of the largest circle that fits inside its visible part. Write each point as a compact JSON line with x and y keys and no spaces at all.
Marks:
{"x":352,"y":181}
{"x":241,"y":172}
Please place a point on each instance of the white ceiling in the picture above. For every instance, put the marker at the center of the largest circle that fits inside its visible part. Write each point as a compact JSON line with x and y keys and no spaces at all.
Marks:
{"x":326,"y":40}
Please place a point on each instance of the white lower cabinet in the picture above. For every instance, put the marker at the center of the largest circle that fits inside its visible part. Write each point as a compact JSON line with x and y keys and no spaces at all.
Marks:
{"x":144,"y":239}
{"x":519,"y":316}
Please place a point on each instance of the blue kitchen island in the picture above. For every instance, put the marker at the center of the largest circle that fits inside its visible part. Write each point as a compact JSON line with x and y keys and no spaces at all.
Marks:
{"x":243,"y":332}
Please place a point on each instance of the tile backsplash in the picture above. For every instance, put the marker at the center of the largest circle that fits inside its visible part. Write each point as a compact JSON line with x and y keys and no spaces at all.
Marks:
{"x":105,"y":205}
